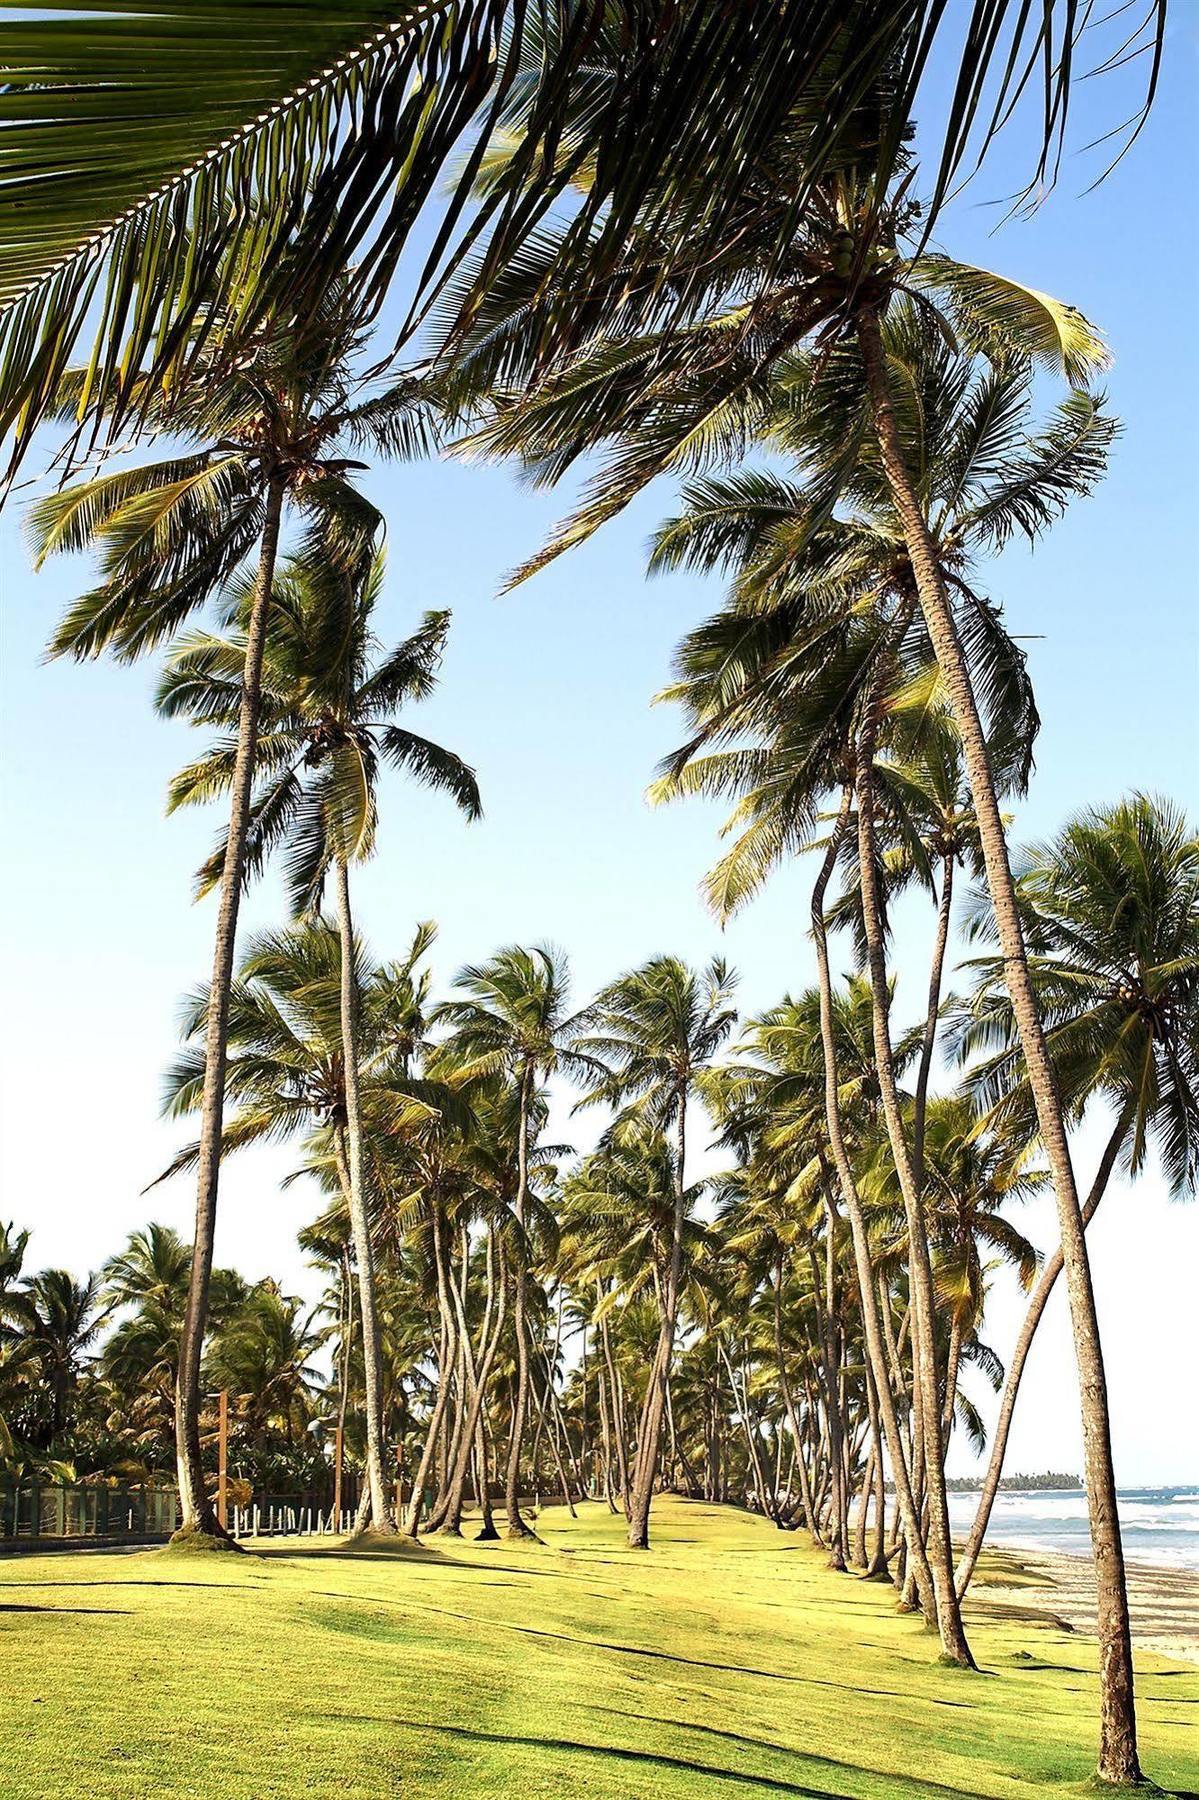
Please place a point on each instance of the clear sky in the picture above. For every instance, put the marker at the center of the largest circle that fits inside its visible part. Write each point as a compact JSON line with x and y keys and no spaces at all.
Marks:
{"x":546,"y":691}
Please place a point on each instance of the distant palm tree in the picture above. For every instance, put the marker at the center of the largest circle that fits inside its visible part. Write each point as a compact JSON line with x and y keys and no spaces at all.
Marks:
{"x":509,"y":1016}
{"x":1110,"y":911}
{"x":654,"y":1032}
{"x":273,"y":429}
{"x":64,"y":1325}
{"x":265,"y":1357}
{"x":327,"y":720}
{"x":287,"y":1068}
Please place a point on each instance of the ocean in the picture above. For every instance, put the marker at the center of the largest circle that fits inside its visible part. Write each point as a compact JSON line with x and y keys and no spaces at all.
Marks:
{"x":1159,"y":1525}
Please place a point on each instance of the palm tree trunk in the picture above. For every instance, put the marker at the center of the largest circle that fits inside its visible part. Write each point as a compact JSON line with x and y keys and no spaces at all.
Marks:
{"x":449,"y":1351}
{"x":651,"y":1430}
{"x":520,"y":1400}
{"x":1015,"y":1370}
{"x":832,"y":1405}
{"x":618,"y":1431}
{"x":1118,"y":1761}
{"x":952,"y":1364}
{"x":805,"y":1490}
{"x":343,"y":1397}
{"x":857,"y":1224}
{"x":372,"y":1350}
{"x":949,"y":1616}
{"x":198,"y":1514}
{"x":935,"y":978}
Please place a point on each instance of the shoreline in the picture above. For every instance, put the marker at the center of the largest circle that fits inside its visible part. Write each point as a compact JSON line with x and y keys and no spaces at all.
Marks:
{"x":1163,"y":1599}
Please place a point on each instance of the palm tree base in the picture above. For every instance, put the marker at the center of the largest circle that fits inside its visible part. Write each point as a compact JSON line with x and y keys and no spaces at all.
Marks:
{"x":199,"y":1540}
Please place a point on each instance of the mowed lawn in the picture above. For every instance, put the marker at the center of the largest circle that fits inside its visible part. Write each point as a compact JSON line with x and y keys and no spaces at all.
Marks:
{"x":726,"y":1662}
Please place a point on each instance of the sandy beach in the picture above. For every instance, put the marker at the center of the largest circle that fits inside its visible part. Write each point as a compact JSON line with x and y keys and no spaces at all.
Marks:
{"x":1164,"y":1601}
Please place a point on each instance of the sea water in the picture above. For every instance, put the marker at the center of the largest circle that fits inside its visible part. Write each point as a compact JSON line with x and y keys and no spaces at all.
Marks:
{"x":1158,"y":1525}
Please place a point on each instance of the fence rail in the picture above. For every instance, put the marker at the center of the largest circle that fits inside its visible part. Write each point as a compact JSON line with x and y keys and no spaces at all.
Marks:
{"x":39,"y":1510}
{"x":63,"y":1509}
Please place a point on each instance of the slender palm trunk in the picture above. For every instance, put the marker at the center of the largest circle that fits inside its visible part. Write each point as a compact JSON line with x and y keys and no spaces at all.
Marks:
{"x":838,"y":1550}
{"x":364,"y":1255}
{"x":478,"y":1375}
{"x":949,"y":1617}
{"x":935,"y":979}
{"x":618,"y":1430}
{"x":343,"y":1398}
{"x":805,"y":1489}
{"x":654,"y":1410}
{"x":1118,"y":1762}
{"x":520,"y":1399}
{"x":857,"y":1224}
{"x":199,"y":1515}
{"x":952,"y":1366}
{"x":446,"y":1360}
{"x":1015,"y":1368}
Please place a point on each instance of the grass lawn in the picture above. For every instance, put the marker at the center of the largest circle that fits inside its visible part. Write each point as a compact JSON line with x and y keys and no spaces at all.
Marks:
{"x":727,"y":1662}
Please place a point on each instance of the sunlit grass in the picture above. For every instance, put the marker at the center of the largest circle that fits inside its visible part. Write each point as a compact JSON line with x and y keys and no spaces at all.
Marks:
{"x":726,"y":1661}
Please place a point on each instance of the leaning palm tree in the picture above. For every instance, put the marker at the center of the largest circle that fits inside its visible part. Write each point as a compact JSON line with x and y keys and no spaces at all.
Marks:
{"x":327,"y":722}
{"x":978,"y":476}
{"x":271,"y":434}
{"x":1110,"y":910}
{"x":510,"y":1017}
{"x":654,"y":1032}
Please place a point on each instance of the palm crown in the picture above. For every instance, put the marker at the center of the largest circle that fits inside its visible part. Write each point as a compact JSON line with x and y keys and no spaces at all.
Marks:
{"x":326,"y":722}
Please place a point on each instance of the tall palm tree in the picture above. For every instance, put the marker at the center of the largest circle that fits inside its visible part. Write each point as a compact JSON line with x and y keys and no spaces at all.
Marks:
{"x":269,"y":433}
{"x":326,"y":722}
{"x":1110,"y":910}
{"x":654,"y":1032}
{"x":509,"y":1016}
{"x":850,"y":283}
{"x":286,"y":1068}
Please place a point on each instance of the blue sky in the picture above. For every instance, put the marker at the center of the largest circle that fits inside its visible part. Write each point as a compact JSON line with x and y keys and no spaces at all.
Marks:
{"x":546,"y":691}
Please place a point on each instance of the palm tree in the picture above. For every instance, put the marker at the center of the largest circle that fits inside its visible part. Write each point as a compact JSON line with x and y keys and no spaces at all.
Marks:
{"x":264,"y":1357}
{"x":64,"y":1325}
{"x":328,"y":129}
{"x":327,"y":719}
{"x":287,"y":1068}
{"x":509,"y":1017}
{"x":822,"y":683}
{"x":1110,"y":910}
{"x":654,"y":1032}
{"x":18,"y":1317}
{"x":269,"y":433}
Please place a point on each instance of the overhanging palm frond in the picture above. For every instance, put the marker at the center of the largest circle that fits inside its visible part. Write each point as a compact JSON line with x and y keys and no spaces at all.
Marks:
{"x":992,"y":309}
{"x":154,"y":161}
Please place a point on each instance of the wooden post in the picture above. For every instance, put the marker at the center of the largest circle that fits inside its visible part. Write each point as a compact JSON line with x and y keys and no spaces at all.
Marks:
{"x":222,"y":1480}
{"x":337,"y":1462}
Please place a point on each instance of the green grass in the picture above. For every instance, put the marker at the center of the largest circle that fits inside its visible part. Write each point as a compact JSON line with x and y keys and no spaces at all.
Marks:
{"x":726,"y":1662}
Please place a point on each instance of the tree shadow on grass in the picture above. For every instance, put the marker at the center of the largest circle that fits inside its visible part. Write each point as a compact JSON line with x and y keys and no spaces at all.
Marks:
{"x":668,"y":1656}
{"x":215,"y":1587}
{"x":917,"y":1783}
{"x":70,"y":1612}
{"x":647,"y":1758}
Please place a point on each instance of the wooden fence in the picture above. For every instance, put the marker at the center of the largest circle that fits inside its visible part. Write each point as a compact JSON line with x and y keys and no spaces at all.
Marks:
{"x":61,"y":1509}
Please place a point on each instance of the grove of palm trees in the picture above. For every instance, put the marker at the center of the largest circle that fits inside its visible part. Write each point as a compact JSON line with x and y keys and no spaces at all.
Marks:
{"x":576,"y":1307}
